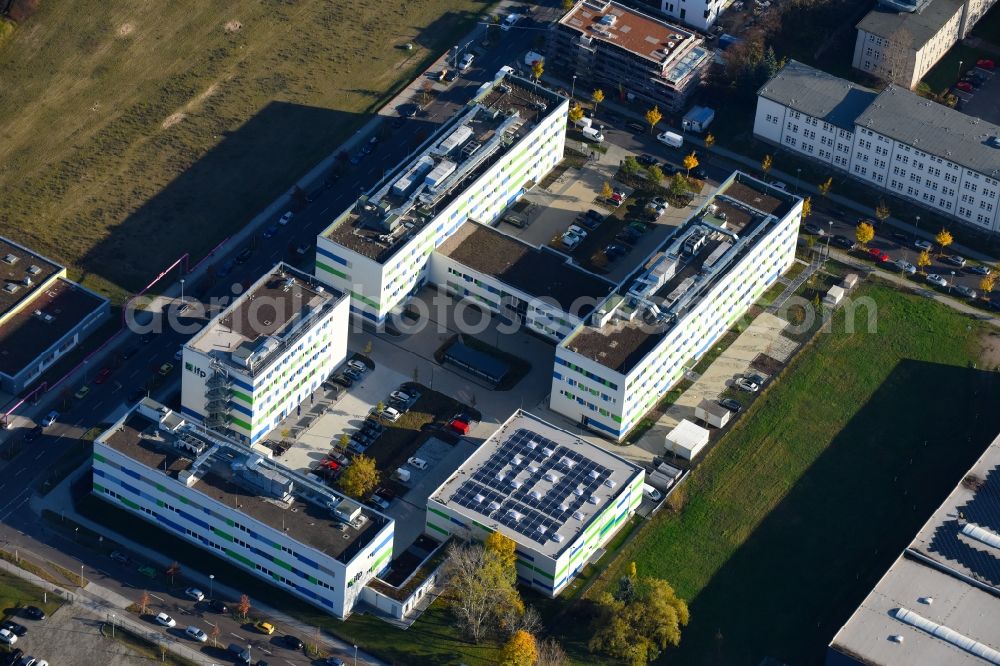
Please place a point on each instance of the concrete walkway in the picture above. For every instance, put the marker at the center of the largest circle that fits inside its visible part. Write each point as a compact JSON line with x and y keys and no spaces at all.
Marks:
{"x":59,"y":500}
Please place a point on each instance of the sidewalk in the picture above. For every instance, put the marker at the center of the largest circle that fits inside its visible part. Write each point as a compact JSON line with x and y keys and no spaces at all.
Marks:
{"x":59,"y":500}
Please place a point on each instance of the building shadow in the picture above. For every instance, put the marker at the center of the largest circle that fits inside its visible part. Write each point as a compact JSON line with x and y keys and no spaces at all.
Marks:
{"x":814,"y":558}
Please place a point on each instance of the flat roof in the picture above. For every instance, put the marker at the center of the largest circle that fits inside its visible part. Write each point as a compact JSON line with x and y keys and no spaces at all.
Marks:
{"x":44,"y":321}
{"x":949,"y":575}
{"x":389,"y":215}
{"x":538,"y":272}
{"x":265,"y":319}
{"x":818,"y":94}
{"x":626,"y":28}
{"x":728,"y":224}
{"x":306,"y":518}
{"x":913,"y":29}
{"x":935,"y":129}
{"x":18,"y":266}
{"x":535,"y":483}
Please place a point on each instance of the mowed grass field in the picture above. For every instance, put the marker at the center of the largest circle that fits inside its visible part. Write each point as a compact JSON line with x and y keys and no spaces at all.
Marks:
{"x":131,"y":133}
{"x":802,"y":506}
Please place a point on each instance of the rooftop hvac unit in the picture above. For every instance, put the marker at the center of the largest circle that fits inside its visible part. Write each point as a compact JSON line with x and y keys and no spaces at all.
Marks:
{"x":558,"y":538}
{"x":515,"y":484}
{"x":11,"y":287}
{"x":10,"y":259}
{"x":533,"y":469}
{"x":610,"y":483}
{"x":535,"y":495}
{"x":493,"y":506}
{"x":579,"y":515}
{"x":549,"y":476}
{"x":532,"y":445}
{"x":541,"y":530}
{"x":593,"y":499}
{"x":594,"y":474}
{"x":516,"y":460}
{"x":578,"y":491}
{"x":567,"y":462}
{"x":479,"y":499}
{"x":34,"y":270}
{"x":514,"y":515}
{"x":547,"y":452}
{"x":564,"y":507}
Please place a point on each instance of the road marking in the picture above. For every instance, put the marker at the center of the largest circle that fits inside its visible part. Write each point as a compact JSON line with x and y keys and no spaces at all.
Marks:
{"x":155,"y":597}
{"x":18,"y":472}
{"x":40,"y":454}
{"x":133,"y":374}
{"x":324,"y":210}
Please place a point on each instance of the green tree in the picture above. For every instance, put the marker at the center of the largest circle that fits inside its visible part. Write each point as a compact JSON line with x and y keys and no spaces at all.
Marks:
{"x":824,"y":187}
{"x":943,"y":239}
{"x":520,"y":649}
{"x":630,"y":166}
{"x":655,"y":173}
{"x":679,"y":186}
{"x":986,"y":285}
{"x":923,"y":260}
{"x":637,"y":631}
{"x":598,"y":97}
{"x":690,"y":162}
{"x":576,"y":114}
{"x":360,"y":478}
{"x":653,"y":117}
{"x":344,"y":441}
{"x":606,"y":190}
{"x":481,"y":592}
{"x":503,"y":548}
{"x":709,"y":140}
{"x":864,"y":233}
{"x":368,"y":347}
{"x":568,"y":4}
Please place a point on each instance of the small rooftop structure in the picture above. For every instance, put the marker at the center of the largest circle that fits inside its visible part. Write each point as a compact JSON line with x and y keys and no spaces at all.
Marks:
{"x":535,"y":483}
{"x":239,"y":477}
{"x":382,"y":220}
{"x":939,"y":602}
{"x":267,"y":318}
{"x":694,"y":258}
{"x":538,"y":272}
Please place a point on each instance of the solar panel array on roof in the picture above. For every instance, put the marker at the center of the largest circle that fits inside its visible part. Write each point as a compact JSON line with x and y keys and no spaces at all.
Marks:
{"x":533,"y":485}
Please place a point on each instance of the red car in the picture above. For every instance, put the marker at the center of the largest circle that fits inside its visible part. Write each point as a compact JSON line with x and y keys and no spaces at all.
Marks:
{"x":461,"y":427}
{"x":102,"y":376}
{"x":878,"y":255}
{"x":964,"y":86}
{"x":985,"y":63}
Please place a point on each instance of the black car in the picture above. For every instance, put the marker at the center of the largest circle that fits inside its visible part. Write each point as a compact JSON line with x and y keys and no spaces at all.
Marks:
{"x":292,"y":642}
{"x":34,"y":613}
{"x":842,"y":241}
{"x":12,"y":658}
{"x":614,"y":252}
{"x":352,"y":373}
{"x":638,"y":128}
{"x":14,"y":628}
{"x":699,"y":173}
{"x":732,"y":405}
{"x":244,"y":255}
{"x":34,"y":433}
{"x":344,"y":381}
{"x":813,"y":229}
{"x":646,"y":160}
{"x":668,"y":169}
{"x":218,"y":607}
{"x":901,"y":237}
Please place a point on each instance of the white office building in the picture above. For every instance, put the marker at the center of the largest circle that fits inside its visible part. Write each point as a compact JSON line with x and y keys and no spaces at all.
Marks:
{"x":620,"y":363}
{"x":894,"y":141}
{"x":479,"y":162}
{"x":233,"y":501}
{"x":536,"y":287}
{"x":558,"y":497}
{"x":700,"y":14}
{"x":899,"y":41}
{"x":255,"y":362}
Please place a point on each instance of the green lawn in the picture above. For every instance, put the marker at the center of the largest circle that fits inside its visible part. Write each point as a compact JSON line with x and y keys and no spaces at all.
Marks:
{"x":135,"y":132}
{"x":16,"y":592}
{"x":802,"y":506}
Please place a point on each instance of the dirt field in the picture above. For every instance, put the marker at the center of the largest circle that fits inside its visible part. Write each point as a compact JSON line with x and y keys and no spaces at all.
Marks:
{"x":133,"y":132}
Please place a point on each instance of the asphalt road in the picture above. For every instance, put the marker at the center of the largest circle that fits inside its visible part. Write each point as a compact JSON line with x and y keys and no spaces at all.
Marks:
{"x":133,"y":366}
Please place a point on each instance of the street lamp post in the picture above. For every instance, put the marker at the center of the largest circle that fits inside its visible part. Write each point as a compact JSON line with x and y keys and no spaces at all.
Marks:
{"x":951,"y":283}
{"x":81,"y":575}
{"x":572,"y":92}
{"x":828,"y":237}
{"x":182,"y":290}
{"x":113,"y":618}
{"x":798,"y":178}
{"x":211,"y":585}
{"x":918,"y":223}
{"x":355,"y":655}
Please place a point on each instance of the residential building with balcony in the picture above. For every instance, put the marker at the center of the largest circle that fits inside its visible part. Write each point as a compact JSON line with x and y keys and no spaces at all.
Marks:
{"x":627,"y":355}
{"x":236,"y":503}
{"x":628,"y":53}
{"x":255,"y":362}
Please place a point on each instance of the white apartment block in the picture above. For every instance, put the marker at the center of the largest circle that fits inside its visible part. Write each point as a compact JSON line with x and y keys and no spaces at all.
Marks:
{"x":894,"y":141}
{"x":619,"y":364}
{"x":258,"y":359}
{"x":378,"y":251}
{"x":902,"y":46}
{"x":236,"y":503}
{"x":558,"y":497}
{"x":538,"y":288}
{"x":700,"y":14}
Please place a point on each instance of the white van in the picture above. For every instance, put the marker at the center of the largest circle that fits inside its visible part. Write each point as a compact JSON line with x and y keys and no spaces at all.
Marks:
{"x":419,"y":463}
{"x":671,"y":139}
{"x":591,"y":134}
{"x":651,"y":493}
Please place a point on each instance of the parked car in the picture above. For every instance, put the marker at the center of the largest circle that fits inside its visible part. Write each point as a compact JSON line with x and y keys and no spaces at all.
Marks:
{"x":81,"y":392}
{"x":842,"y":241}
{"x":120,"y":557}
{"x":334,"y":661}
{"x":218,"y":606}
{"x":292,"y":642}
{"x":510,"y":21}
{"x":343,"y":380}
{"x":922,"y":244}
{"x":573,"y":229}
{"x":651,"y":492}
{"x":965,"y":291}
{"x":878,"y":255}
{"x":980,"y":269}
{"x":813,"y":229}
{"x":955,"y":260}
{"x":264,"y":627}
{"x":964,"y":86}
{"x":12,"y":658}
{"x":380,"y":502}
{"x":32,"y":661}
{"x":357,"y":365}
{"x":7,"y":637}
{"x":570,"y":240}
{"x":735,"y":406}
{"x":419,"y":463}
{"x":196,"y":634}
{"x":352,"y":374}
{"x":271,"y":231}
{"x":194,"y":593}
{"x":165,"y":620}
{"x":244,"y":255}
{"x":614,"y":252}
{"x":906,"y":267}
{"x":459,"y":426}
{"x":699,"y":173}
{"x":286,"y":218}
{"x":14,"y":628}
{"x":102,"y":375}
{"x":400,"y":396}
{"x":165,"y":369}
{"x":390,"y":414}
{"x":646,"y":160}
{"x":34,"y":613}
{"x":745,"y":384}
{"x":937,"y":280}
{"x":466,"y":61}
{"x":50,"y":418}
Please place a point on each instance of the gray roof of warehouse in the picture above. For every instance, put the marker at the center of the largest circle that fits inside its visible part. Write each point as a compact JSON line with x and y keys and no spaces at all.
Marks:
{"x":933,"y":128}
{"x":818,"y":94}
{"x":919,"y":26}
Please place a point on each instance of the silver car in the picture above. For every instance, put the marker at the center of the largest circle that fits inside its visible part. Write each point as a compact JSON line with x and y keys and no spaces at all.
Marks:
{"x":906,"y":267}
{"x":968,"y":292}
{"x":937,"y":280}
